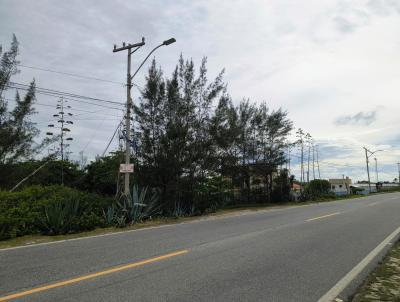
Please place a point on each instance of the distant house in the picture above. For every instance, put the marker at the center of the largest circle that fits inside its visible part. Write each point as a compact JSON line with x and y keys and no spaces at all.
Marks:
{"x":340,"y":186}
{"x":363,"y":189}
{"x":296,"y":187}
{"x":295,"y":191}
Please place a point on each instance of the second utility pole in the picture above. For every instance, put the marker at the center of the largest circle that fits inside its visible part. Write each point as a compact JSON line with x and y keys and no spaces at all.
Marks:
{"x":128,"y":111}
{"x":369,"y":181}
{"x":398,"y":167}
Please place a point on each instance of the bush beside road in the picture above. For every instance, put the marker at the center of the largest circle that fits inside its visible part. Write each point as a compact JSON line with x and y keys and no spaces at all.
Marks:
{"x":45,"y":214}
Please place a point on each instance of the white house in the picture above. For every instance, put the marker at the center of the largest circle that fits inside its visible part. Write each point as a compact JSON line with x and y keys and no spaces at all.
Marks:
{"x":340,"y":186}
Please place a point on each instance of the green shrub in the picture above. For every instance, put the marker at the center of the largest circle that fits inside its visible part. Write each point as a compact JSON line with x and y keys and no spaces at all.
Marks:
{"x":318,"y":188}
{"x":211,"y":194}
{"x":50,"y":210}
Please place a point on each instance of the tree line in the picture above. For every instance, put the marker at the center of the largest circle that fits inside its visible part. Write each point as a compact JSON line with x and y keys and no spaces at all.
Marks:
{"x":190,"y":134}
{"x":192,"y":144}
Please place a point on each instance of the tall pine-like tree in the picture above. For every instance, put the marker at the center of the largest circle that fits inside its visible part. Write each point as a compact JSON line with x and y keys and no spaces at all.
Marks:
{"x":17,"y":131}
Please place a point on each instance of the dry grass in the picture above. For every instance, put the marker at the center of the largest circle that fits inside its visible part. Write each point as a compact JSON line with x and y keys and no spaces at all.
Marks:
{"x":383,"y":284}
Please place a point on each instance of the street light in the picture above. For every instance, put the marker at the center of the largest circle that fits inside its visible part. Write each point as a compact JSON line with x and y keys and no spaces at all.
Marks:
{"x":165,"y":43}
{"x":366,"y":158}
{"x":135,"y":47}
{"x":169,"y":41}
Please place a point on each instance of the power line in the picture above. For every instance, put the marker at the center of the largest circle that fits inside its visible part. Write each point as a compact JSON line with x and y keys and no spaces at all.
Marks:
{"x":93,"y":135}
{"x":112,"y":137}
{"x":72,"y":74}
{"x":68,"y":98}
{"x":329,"y":163}
{"x":63,"y":93}
{"x":79,"y":76}
{"x":72,"y":109}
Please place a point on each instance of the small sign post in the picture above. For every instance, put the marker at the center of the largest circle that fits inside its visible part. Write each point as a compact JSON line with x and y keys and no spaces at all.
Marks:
{"x":126,"y":168}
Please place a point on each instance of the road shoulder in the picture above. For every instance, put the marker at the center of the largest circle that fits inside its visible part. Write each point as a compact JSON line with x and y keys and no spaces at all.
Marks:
{"x":383,"y":284}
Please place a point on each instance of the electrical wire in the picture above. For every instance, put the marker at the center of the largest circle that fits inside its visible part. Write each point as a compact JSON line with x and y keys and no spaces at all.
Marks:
{"x":79,"y":76}
{"x":63,"y":93}
{"x":112,"y":137}
{"x":71,"y":74}
{"x":70,"y":99}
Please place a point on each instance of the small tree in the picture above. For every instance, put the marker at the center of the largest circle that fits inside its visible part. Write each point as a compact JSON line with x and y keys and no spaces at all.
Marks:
{"x":317,"y":188}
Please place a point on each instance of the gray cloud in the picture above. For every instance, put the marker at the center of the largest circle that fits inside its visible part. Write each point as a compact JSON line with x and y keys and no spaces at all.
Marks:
{"x":384,"y":7}
{"x":344,"y":25}
{"x":360,"y":118}
{"x":293,"y":57}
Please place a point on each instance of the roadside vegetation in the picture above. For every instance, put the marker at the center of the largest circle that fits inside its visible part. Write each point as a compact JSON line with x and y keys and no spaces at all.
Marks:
{"x":383,"y":284}
{"x":195,"y":152}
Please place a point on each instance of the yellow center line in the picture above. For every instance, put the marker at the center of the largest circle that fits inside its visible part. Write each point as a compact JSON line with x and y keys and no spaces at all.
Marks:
{"x":319,"y":217}
{"x":91,"y":276}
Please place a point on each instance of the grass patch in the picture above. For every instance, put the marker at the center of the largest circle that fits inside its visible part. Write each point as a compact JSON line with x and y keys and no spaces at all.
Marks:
{"x":383,"y":284}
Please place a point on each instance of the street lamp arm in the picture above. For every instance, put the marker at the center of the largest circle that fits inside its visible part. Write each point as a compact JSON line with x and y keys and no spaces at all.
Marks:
{"x":166,"y":42}
{"x":140,"y":66}
{"x":371,"y":153}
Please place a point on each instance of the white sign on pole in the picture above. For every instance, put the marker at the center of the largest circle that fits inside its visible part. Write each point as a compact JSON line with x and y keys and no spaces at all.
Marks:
{"x":126,"y":168}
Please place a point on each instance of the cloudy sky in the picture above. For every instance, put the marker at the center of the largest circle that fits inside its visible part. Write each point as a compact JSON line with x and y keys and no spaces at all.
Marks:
{"x":334,"y":65}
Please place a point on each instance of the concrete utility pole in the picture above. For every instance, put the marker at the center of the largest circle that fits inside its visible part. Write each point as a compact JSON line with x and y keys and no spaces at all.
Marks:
{"x":367,"y":161}
{"x":319,"y":173}
{"x":398,"y":167}
{"x":308,"y":164}
{"x":366,"y":158}
{"x":313,"y":161}
{"x":128,"y":168}
{"x":376,"y":169}
{"x":128,"y":109}
{"x":302,"y":165}
{"x":308,"y":139}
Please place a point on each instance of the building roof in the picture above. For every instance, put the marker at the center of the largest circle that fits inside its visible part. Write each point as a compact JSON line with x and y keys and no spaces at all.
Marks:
{"x":340,"y":181}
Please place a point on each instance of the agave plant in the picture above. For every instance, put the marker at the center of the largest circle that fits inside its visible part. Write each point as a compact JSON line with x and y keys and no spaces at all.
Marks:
{"x":59,"y":215}
{"x":110,"y":215}
{"x":139,"y":206}
{"x":179,"y":210}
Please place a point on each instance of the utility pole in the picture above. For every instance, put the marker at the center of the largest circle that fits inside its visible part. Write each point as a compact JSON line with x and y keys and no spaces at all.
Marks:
{"x":302,"y":165}
{"x":319,"y":173}
{"x":367,"y":161}
{"x":376,"y":170}
{"x":308,"y":139}
{"x":128,"y":109}
{"x":366,"y":158}
{"x":131,"y":48}
{"x":308,"y":164}
{"x":398,"y":167}
{"x":313,"y":160}
{"x":62,"y":140}
{"x":300,"y":141}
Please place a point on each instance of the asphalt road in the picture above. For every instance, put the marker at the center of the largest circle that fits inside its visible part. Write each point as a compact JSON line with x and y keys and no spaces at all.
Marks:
{"x":288,"y":254}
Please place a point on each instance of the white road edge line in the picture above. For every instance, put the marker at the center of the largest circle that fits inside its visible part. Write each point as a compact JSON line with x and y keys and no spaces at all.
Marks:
{"x":350,"y":276}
